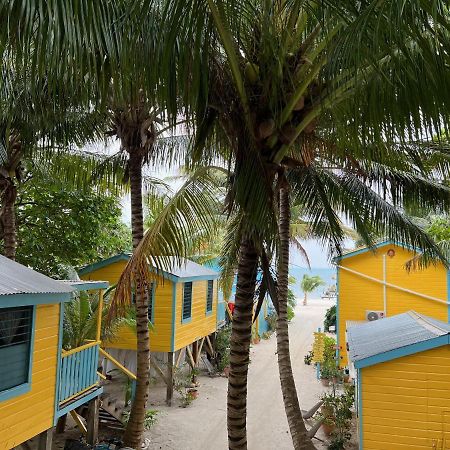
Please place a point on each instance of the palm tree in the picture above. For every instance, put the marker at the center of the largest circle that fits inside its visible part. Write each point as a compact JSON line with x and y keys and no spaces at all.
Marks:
{"x":263,"y":79}
{"x":283,"y":74}
{"x":310,"y":284}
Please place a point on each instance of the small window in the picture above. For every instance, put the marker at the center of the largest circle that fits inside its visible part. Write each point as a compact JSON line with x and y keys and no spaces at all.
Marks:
{"x":151,"y":299}
{"x":15,"y":346}
{"x":209,"y":296}
{"x":187,"y":301}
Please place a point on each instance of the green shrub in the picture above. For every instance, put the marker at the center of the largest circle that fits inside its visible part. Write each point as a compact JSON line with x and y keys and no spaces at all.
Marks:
{"x":222,"y":347}
{"x":271,"y":320}
{"x":330,"y":318}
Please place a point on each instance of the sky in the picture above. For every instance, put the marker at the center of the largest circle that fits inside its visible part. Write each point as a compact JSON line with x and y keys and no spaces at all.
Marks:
{"x":317,"y":254}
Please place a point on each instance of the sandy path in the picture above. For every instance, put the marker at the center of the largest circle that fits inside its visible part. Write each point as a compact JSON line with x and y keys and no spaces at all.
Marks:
{"x":202,"y":426}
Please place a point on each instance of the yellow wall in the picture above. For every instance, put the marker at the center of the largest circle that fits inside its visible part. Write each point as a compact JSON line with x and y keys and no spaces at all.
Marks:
{"x":161,"y":333}
{"x":406,"y":402}
{"x":161,"y":336}
{"x":29,"y":414}
{"x":201,"y":324}
{"x":110,"y":273}
{"x":356,"y":294}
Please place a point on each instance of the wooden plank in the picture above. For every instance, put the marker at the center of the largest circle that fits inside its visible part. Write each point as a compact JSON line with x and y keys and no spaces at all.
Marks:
{"x":117,"y":364}
{"x":45,"y":440}
{"x":79,"y":422}
{"x":181,"y":356}
{"x":169,"y":391}
{"x":199,"y":351}
{"x":211,"y":349}
{"x":191,"y":359}
{"x":92,"y":421}
{"x":158,"y":369}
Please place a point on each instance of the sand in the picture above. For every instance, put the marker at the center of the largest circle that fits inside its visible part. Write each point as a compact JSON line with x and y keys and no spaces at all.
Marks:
{"x":202,"y":425}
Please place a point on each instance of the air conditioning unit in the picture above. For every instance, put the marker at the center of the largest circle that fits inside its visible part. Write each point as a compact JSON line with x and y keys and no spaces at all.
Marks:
{"x":374,"y":315}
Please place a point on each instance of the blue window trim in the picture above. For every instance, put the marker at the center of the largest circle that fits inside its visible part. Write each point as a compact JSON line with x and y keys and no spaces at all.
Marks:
{"x":153,"y":289}
{"x":187,"y":319}
{"x":24,"y":387}
{"x":209,"y":311}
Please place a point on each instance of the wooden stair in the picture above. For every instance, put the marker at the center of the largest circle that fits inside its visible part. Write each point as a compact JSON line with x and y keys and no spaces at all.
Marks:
{"x":110,"y":413}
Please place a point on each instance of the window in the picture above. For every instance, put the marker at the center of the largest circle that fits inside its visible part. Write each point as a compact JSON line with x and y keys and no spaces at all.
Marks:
{"x":15,"y":346}
{"x":209,"y":296}
{"x":151,"y":299}
{"x":187,"y":301}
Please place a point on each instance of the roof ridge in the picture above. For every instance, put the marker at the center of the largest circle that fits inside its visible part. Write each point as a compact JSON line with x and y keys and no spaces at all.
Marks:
{"x":425,"y":323}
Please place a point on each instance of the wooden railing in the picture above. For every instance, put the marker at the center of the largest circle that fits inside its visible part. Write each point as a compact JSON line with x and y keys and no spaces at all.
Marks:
{"x":78,"y":371}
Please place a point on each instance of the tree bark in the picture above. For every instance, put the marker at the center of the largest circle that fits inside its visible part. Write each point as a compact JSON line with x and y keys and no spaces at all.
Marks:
{"x":305,"y":299}
{"x":291,"y":404}
{"x":135,"y":428}
{"x":8,"y":192}
{"x":240,"y":346}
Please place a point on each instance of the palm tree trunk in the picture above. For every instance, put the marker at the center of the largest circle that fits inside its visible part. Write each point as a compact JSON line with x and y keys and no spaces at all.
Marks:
{"x":8,"y":216}
{"x":135,"y":428}
{"x":290,"y":398}
{"x":305,"y":299}
{"x":240,"y":346}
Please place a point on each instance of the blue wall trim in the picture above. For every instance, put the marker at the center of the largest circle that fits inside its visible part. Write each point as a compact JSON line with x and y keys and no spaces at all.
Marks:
{"x":78,"y":403}
{"x":403,"y":351}
{"x":338,"y":351}
{"x":126,"y":257}
{"x":174,"y":310}
{"x":58,"y":362}
{"x":376,"y":246}
{"x":90,"y":285}
{"x":12,"y":300}
{"x":103,"y":263}
{"x":360,"y":412}
{"x":448,"y":294}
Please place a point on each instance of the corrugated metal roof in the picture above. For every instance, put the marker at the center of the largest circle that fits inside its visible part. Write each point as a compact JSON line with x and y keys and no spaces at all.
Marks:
{"x":18,"y":279}
{"x":391,"y":333}
{"x":178,"y":267}
{"x":184,"y":268}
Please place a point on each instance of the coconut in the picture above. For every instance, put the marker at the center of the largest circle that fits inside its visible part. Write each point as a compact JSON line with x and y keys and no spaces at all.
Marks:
{"x":288,"y":134}
{"x":266,"y":128}
{"x":251,"y":72}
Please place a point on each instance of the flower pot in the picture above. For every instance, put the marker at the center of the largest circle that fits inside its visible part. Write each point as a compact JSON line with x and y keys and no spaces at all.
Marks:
{"x":325,"y":381}
{"x":334,"y":380}
{"x":193,"y":393}
{"x":347,"y":378}
{"x":226,"y":371}
{"x":328,"y":428}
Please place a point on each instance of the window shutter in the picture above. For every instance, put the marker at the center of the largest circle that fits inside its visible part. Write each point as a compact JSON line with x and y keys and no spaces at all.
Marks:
{"x":209,"y":296}
{"x":15,"y":346}
{"x":187,"y":300}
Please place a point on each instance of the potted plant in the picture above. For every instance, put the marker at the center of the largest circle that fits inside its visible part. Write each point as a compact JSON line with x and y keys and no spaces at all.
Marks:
{"x":328,"y":426}
{"x":325,"y":374}
{"x":346,"y":376}
{"x":327,"y":408}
